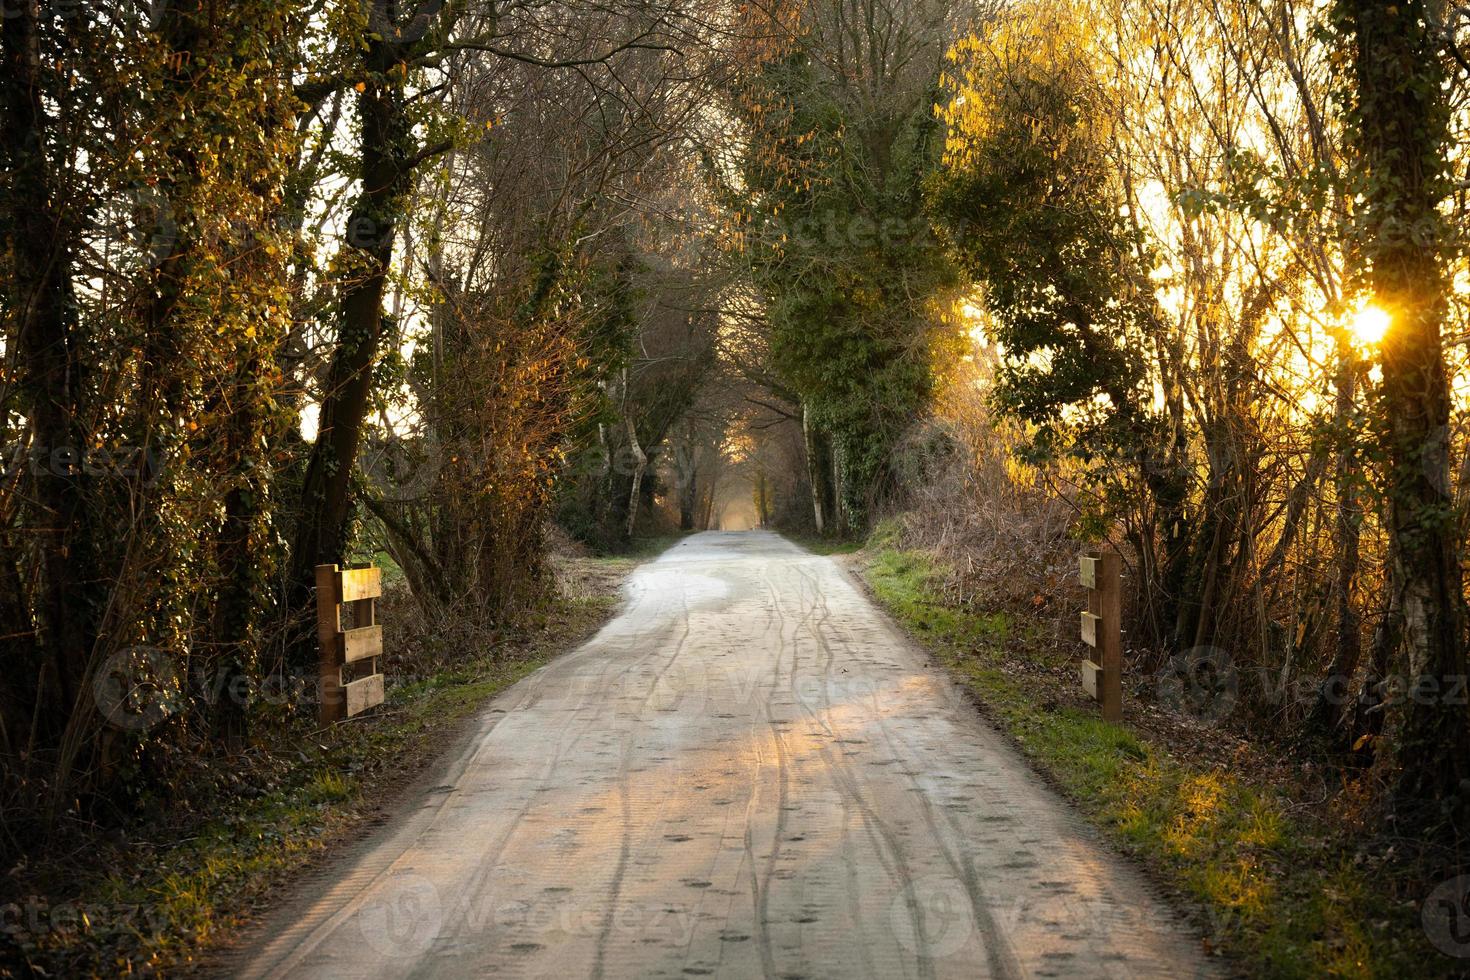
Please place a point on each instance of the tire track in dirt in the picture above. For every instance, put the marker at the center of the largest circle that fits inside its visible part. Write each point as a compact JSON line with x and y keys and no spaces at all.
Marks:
{"x":748,"y":773}
{"x":1001,"y":958}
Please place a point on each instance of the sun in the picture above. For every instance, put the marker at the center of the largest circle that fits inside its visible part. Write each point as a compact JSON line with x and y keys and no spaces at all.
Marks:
{"x":1370,"y":324}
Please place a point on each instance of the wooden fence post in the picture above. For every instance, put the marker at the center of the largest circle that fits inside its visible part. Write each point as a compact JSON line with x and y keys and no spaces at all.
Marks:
{"x":1102,"y":629}
{"x":329,"y":641}
{"x":342,"y":649}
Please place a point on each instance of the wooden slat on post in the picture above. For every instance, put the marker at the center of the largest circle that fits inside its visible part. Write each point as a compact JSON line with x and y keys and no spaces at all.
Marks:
{"x":340,"y":649}
{"x":1101,"y":572}
{"x":360,"y":644}
{"x":360,"y":583}
{"x":363,"y":694}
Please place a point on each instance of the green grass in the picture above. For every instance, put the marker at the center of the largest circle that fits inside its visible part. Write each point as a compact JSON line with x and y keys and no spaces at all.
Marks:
{"x":819,"y":545}
{"x":642,"y":549}
{"x":885,"y":534}
{"x":1277,"y":891}
{"x":392,"y":574}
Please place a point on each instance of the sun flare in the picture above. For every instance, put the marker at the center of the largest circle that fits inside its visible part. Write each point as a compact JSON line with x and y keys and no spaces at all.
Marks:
{"x":1370,"y":324}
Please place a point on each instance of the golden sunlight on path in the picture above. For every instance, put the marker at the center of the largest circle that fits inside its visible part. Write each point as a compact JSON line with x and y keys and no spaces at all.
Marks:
{"x":749,"y":773}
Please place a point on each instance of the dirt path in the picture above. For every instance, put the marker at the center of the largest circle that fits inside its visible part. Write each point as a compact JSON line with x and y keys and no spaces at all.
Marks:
{"x":749,"y":773}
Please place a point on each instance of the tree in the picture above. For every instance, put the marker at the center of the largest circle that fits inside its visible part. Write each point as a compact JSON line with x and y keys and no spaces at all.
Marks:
{"x":389,"y":42}
{"x":386,"y":52}
{"x":143,"y":304}
{"x":839,"y":136}
{"x":1031,"y":210}
{"x":1398,"y":121}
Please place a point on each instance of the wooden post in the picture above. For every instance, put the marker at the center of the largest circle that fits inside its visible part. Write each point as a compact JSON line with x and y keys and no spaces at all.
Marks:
{"x":333,"y":707}
{"x":1102,"y":573}
{"x":348,"y":650}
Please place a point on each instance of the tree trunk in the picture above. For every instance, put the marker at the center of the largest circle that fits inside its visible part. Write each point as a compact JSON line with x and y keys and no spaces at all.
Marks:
{"x":689,"y":494}
{"x":640,"y":465}
{"x":707,"y":509}
{"x":1331,"y":705}
{"x":235,"y":625}
{"x":1399,"y":123}
{"x":819,"y":472}
{"x":371,"y":230}
{"x":839,"y":520}
{"x":41,"y":240}
{"x":1161,"y":462}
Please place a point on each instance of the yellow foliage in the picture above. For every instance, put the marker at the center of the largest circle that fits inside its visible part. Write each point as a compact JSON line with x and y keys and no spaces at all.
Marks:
{"x":1032,"y":47}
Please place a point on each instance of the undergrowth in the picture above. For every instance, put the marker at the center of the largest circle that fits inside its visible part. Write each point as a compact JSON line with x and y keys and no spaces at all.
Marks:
{"x":1281,"y":891}
{"x":151,"y":896}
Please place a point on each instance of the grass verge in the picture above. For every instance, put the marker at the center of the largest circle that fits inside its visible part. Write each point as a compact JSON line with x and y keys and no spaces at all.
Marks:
{"x":153,"y":897}
{"x":820,"y":545}
{"x":1282,"y":892}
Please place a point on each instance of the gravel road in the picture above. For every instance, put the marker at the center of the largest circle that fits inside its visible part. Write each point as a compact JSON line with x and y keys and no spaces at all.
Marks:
{"x":749,"y":773}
